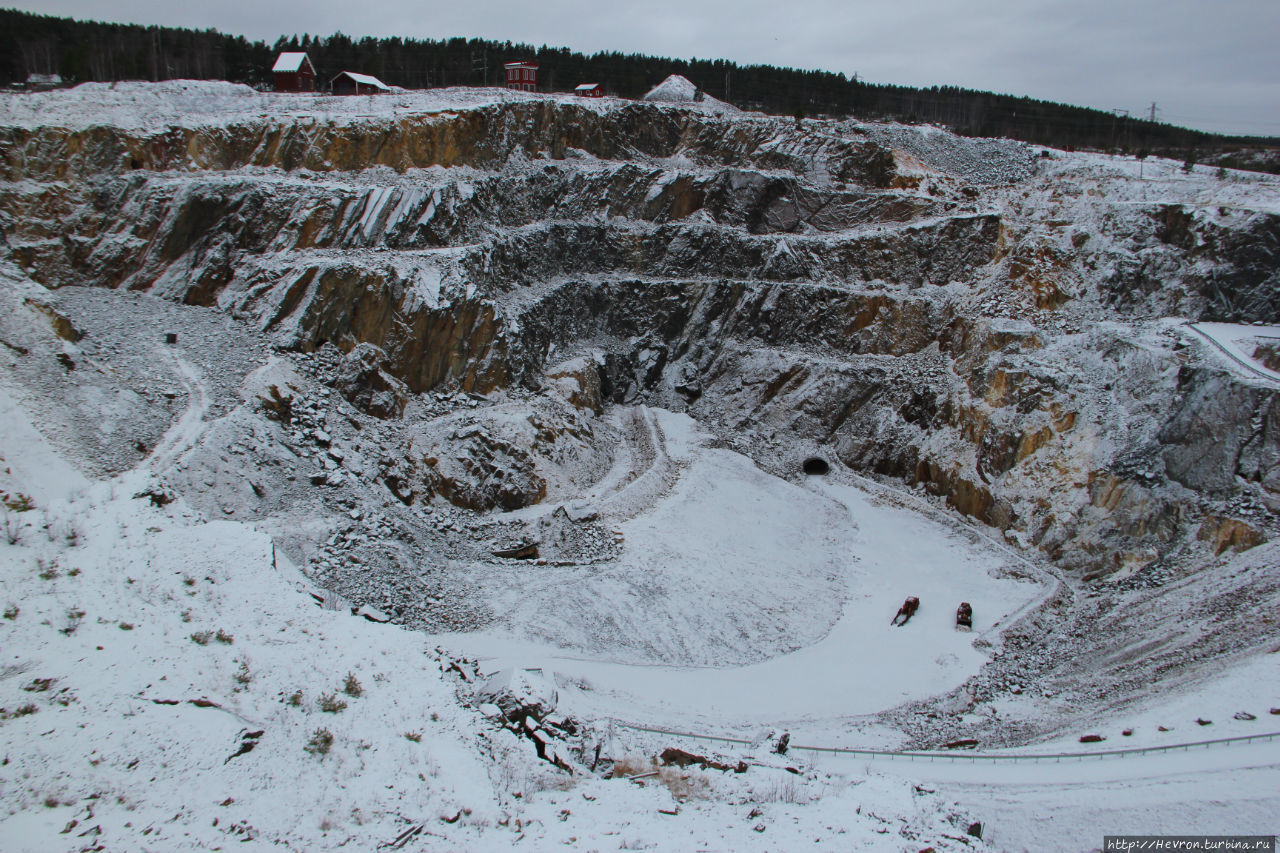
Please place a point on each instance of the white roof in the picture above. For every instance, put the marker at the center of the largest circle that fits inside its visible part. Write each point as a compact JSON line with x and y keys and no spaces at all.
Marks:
{"x":291,"y":62}
{"x":585,"y":86}
{"x":365,"y":79}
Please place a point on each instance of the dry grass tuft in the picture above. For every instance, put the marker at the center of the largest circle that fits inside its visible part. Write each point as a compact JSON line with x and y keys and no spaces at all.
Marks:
{"x":682,"y":783}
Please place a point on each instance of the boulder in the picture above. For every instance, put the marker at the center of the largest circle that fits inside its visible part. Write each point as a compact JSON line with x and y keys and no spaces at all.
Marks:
{"x":373,"y":614}
{"x":364,"y":379}
{"x":520,"y":694}
{"x":478,"y":470}
{"x":1229,"y":533}
{"x":578,"y":382}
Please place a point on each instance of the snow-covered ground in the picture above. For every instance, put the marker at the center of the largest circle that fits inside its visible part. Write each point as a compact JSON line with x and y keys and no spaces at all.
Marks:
{"x":164,"y":686}
{"x":163,"y":674}
{"x":1240,"y":344}
{"x":147,"y":646}
{"x":729,"y":533}
{"x":1226,"y":789}
{"x":209,"y":103}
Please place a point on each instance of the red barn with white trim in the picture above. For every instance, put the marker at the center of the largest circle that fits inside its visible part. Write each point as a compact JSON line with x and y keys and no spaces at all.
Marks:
{"x":589,"y":90}
{"x":522,"y":75}
{"x":294,"y":73}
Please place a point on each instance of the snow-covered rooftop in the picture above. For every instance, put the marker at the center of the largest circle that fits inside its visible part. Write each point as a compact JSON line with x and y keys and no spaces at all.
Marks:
{"x":292,"y":62}
{"x":364,"y":79}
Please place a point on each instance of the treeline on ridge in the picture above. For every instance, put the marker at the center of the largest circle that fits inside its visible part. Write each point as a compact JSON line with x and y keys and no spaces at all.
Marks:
{"x":84,"y":50}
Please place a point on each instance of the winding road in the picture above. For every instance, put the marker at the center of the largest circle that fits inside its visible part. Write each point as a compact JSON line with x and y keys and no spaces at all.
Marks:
{"x":183,"y":434}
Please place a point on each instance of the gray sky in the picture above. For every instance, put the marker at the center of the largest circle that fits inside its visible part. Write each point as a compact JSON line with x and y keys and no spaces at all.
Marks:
{"x":1210,"y":64}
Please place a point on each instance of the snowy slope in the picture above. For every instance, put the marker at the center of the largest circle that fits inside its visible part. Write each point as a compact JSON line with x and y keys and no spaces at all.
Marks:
{"x":980,"y":326}
{"x":722,"y":539}
{"x":146,"y":648}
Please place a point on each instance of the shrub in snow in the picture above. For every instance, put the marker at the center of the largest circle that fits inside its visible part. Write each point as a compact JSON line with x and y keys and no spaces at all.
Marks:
{"x":330,"y":703}
{"x":243,"y":676}
{"x":321,"y":741}
{"x":351,"y":686}
{"x":74,"y":615}
{"x":12,"y":527}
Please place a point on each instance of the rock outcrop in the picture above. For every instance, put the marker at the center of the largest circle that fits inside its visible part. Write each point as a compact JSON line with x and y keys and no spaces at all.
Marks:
{"x":983,"y":330}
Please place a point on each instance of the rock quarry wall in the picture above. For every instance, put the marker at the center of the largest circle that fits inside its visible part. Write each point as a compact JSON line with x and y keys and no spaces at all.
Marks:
{"x":801,"y":288}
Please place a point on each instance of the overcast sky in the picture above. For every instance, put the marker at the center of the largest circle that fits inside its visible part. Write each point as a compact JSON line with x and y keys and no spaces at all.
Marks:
{"x":1211,"y":64}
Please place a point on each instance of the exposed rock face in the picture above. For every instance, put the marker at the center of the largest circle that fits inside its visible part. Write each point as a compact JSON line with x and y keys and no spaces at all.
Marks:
{"x":485,"y":137}
{"x":508,"y":456}
{"x":364,"y":381}
{"x":843,"y":286}
{"x":477,"y":470}
{"x":1221,"y":431}
{"x":1230,"y":533}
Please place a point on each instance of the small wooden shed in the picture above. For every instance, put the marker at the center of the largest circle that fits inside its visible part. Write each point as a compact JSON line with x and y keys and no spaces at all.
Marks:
{"x":589,"y":90}
{"x":352,"y":83}
{"x":294,"y":73}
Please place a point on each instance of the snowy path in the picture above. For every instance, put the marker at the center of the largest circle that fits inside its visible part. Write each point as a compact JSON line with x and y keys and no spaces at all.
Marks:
{"x":1071,"y":805}
{"x":652,"y":470}
{"x":1236,"y":343}
{"x":184,"y":432}
{"x":641,"y":467}
{"x":861,"y":666}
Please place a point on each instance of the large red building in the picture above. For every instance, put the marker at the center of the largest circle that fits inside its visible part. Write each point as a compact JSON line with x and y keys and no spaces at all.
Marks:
{"x":522,"y":75}
{"x":294,"y":73}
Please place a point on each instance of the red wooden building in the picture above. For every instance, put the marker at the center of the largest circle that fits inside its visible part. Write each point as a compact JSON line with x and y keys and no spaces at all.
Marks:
{"x":294,"y":73}
{"x":351,"y":83}
{"x":522,"y":75}
{"x":589,"y":90}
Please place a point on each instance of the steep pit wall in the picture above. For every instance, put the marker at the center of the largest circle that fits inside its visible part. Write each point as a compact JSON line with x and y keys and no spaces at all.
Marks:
{"x":129,"y":231}
{"x":484,"y":137}
{"x":783,"y":285}
{"x":1091,"y":447}
{"x":1212,"y":264}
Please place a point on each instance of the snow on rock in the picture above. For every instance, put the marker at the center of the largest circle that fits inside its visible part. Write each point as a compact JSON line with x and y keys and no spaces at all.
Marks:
{"x":614,"y":332}
{"x":170,"y":684}
{"x":164,"y":640}
{"x":677,"y":89}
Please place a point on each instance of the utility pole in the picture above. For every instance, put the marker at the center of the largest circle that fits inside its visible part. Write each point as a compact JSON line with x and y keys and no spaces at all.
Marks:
{"x":481,"y":64}
{"x":726,"y":86}
{"x":1115,"y":114}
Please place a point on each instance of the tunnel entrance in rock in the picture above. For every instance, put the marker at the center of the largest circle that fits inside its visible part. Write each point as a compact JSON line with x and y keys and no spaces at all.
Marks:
{"x":816,"y":466}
